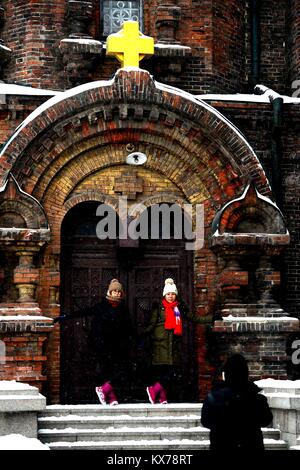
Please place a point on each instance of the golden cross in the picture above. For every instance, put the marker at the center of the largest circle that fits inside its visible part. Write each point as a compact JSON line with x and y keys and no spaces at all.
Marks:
{"x":129,"y":45}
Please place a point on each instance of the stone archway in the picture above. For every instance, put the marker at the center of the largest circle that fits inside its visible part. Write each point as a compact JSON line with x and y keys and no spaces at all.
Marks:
{"x":73,"y":149}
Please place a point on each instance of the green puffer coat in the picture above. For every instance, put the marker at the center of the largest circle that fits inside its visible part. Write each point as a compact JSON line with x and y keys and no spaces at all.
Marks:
{"x":165,"y":346}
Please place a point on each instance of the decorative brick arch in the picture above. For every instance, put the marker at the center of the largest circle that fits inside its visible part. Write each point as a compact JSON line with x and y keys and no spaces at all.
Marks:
{"x":132,"y":108}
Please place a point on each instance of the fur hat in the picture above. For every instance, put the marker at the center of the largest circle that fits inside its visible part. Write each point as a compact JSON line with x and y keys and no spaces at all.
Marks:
{"x":170,"y":286}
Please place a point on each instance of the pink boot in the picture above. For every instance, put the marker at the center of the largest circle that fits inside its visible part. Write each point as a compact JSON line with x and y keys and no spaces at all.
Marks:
{"x":153,"y":391}
{"x":103,"y":392}
{"x":163,"y":396}
{"x":112,"y":398}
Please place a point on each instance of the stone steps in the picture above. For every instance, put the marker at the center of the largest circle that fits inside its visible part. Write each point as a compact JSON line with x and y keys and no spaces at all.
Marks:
{"x":134,"y":426}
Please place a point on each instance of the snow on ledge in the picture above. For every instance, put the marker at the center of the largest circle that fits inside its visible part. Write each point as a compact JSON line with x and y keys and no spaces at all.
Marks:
{"x":82,"y":41}
{"x":13,"y":385}
{"x":19,"y":442}
{"x":13,"y":89}
{"x":171,"y":46}
{"x":23,"y":318}
{"x":275,"y":383}
{"x":246,"y":98}
{"x":231,"y":318}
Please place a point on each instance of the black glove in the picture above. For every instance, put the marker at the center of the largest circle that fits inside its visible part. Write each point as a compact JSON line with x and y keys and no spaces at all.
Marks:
{"x":60,"y":318}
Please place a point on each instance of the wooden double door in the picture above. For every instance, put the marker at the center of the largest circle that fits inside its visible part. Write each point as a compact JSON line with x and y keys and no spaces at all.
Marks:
{"x":87,"y":266}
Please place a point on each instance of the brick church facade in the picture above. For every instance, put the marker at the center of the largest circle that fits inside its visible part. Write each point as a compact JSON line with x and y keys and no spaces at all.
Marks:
{"x":216,"y":112}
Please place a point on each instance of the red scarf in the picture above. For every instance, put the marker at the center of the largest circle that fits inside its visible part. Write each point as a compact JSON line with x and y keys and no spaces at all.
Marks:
{"x":173,"y":318}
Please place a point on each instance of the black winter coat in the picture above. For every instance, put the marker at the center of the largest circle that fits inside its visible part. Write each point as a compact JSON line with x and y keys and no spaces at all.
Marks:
{"x":111,"y":331}
{"x":235,"y":417}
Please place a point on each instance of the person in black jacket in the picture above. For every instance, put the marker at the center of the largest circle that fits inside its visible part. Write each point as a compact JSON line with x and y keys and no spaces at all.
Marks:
{"x":235,"y":411}
{"x":111,"y":336}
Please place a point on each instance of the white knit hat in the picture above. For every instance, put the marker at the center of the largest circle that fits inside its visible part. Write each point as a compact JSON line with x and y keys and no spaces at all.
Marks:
{"x":170,"y":286}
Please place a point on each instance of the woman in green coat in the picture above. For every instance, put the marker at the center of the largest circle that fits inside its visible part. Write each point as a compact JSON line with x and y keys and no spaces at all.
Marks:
{"x":165,"y":329}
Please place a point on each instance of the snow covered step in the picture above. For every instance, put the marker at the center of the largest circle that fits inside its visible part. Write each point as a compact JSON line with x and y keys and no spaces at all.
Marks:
{"x":136,"y":434}
{"x":115,"y":435}
{"x":123,"y":420}
{"x":132,"y":445}
{"x":275,"y":444}
{"x":137,"y":409}
{"x":164,"y":444}
{"x":296,"y":446}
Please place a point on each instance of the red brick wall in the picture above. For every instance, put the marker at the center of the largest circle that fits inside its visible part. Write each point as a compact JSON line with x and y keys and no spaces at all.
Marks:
{"x":32,"y":30}
{"x":294,"y":42}
{"x":274,"y":30}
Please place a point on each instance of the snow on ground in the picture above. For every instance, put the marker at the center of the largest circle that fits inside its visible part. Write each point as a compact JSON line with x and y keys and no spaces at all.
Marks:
{"x":19,"y":442}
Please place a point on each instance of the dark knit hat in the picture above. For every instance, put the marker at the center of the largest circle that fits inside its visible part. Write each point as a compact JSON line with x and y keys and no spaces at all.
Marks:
{"x":236,"y":370}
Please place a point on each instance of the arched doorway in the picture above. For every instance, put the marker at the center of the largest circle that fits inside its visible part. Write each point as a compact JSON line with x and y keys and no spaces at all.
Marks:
{"x":87,"y":266}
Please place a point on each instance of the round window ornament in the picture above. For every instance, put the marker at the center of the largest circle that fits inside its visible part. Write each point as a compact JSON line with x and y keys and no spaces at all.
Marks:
{"x":136,"y":158}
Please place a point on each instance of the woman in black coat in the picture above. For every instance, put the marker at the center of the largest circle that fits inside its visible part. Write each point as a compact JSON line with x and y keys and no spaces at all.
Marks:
{"x":111,"y":337}
{"x":235,"y":411}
